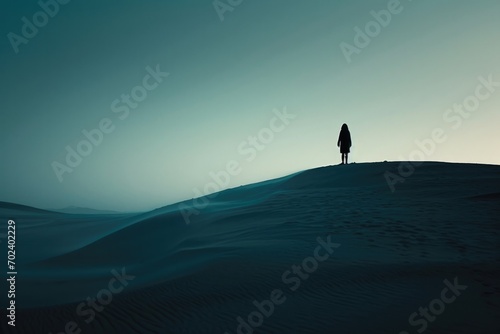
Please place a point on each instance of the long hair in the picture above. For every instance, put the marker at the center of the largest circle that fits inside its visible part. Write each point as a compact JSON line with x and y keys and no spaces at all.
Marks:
{"x":345,"y":136}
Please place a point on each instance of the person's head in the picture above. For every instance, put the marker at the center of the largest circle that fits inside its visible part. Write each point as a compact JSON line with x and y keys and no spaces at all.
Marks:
{"x":344,"y":127}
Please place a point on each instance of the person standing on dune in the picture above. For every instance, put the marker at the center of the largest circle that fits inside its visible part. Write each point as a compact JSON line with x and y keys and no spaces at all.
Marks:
{"x":344,"y":143}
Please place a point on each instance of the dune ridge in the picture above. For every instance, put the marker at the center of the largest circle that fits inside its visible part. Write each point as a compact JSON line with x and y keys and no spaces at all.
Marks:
{"x":396,"y":251}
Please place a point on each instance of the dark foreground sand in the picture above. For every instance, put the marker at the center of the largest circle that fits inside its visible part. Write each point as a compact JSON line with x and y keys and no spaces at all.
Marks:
{"x":330,"y":250}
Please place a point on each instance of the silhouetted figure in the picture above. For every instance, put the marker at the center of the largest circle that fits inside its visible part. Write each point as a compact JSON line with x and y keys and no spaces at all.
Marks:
{"x":344,"y":143}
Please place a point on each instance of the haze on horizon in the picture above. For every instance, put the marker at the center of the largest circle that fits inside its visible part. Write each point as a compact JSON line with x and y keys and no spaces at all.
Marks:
{"x":229,"y":80}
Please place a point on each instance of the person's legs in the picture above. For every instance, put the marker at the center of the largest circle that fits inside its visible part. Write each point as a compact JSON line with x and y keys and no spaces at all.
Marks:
{"x":346,"y":155}
{"x":343,"y":155}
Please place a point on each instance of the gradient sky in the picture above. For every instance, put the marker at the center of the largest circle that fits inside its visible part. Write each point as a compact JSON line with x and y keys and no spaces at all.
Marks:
{"x":226,"y":78}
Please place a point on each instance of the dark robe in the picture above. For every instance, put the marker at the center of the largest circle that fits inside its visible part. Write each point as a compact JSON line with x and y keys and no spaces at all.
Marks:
{"x":345,"y":141}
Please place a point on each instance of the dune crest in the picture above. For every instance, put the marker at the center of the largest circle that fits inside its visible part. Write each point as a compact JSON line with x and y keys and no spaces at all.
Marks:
{"x":397,"y":249}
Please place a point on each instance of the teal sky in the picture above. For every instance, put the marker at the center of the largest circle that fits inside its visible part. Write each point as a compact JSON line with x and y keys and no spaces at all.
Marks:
{"x":225,"y":79}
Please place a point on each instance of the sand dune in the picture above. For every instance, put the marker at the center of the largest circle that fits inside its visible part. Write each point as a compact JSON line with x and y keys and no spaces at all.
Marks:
{"x":395,"y":251}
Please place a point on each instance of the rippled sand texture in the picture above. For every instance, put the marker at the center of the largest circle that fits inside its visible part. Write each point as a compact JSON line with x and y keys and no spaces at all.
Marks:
{"x":396,"y":250}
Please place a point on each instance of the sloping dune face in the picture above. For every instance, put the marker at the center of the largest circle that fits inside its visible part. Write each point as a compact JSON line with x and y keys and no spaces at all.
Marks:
{"x":329,"y":250}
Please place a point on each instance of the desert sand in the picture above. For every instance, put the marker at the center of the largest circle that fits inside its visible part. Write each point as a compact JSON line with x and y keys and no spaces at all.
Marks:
{"x":327,"y":250}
